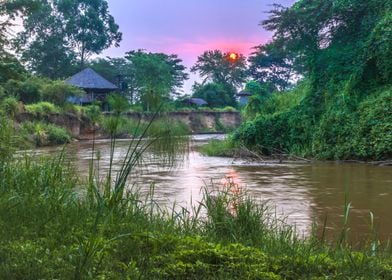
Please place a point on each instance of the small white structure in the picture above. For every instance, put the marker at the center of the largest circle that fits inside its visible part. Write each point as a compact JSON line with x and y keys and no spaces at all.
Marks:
{"x":243,"y":97}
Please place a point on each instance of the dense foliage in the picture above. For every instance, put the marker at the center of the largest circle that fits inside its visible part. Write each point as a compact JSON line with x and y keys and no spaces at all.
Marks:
{"x":216,"y":95}
{"x":59,"y":34}
{"x":344,"y":109}
{"x":218,"y":67}
{"x":156,"y":76}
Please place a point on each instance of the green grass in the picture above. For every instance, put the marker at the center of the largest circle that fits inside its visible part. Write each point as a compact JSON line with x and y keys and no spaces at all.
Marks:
{"x":219,"y":148}
{"x":56,"y":225}
{"x":44,"y":134}
{"x":42,"y":108}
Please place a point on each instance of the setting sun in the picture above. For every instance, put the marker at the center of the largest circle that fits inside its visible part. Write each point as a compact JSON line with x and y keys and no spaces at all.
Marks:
{"x":233,"y":56}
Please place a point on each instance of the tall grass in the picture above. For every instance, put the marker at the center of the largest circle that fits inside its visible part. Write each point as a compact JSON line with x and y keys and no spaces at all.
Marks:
{"x":54,"y":225}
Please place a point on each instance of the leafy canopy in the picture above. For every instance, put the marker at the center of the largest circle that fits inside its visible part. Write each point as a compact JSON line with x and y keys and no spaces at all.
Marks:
{"x":155,"y":76}
{"x":61,"y":33}
{"x":217,"y":67}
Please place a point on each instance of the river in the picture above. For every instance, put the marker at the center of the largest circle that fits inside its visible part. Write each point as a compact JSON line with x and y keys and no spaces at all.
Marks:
{"x":303,"y":193}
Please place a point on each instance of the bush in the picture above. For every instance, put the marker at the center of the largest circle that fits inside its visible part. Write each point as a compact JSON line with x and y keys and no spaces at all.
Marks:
{"x":42,"y":109}
{"x":28,"y":91}
{"x":57,"y":92}
{"x":42,"y":134}
{"x":226,"y":109}
{"x":57,"y":135}
{"x":77,"y":110}
{"x":216,"y":95}
{"x":10,"y":106}
{"x":93,"y":113}
{"x":118,"y":104}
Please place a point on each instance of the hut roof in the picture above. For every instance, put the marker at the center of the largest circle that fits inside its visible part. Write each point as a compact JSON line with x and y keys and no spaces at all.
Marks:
{"x":244,"y":93}
{"x":196,"y":101}
{"x":89,"y":79}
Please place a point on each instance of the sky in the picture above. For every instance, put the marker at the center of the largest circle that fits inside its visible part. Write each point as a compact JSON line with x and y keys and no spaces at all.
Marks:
{"x":190,"y":27}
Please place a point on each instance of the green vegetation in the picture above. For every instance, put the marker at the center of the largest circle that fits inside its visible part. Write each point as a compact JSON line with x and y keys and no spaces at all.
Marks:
{"x":43,"y":134}
{"x":345,"y":130}
{"x":56,"y":225}
{"x":219,"y":148}
{"x":216,"y":95}
{"x":42,"y":109}
{"x":155,"y":77}
{"x":342,"y":108}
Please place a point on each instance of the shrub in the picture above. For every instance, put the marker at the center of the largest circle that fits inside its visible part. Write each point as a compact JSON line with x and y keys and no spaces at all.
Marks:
{"x":28,"y":91}
{"x":42,"y":134}
{"x":216,"y":95}
{"x":42,"y":108}
{"x":344,"y":124}
{"x":118,"y":103}
{"x":93,"y":113}
{"x":77,"y":110}
{"x":226,"y":109}
{"x":57,"y":92}
{"x":57,"y":135}
{"x":10,"y":106}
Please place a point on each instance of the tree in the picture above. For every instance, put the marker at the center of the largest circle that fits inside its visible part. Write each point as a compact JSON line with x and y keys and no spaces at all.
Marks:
{"x":112,"y":69}
{"x":46,"y":51}
{"x":119,"y":72}
{"x":260,"y":93}
{"x":89,"y":27}
{"x":217,"y":67}
{"x":216,"y":95}
{"x":10,"y":67}
{"x":8,"y":11}
{"x":273,"y":64}
{"x":155,"y":76}
{"x":328,"y":38}
{"x":62,"y":32}
{"x":263,"y":90}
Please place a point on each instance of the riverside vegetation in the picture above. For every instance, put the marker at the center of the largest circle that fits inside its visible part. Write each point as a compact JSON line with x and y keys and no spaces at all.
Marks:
{"x":56,"y":225}
{"x":342,"y":106}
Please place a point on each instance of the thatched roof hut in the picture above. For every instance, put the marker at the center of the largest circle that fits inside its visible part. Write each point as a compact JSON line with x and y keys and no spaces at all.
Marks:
{"x":95,"y":86}
{"x":195,"y":101}
{"x":88,"y":79}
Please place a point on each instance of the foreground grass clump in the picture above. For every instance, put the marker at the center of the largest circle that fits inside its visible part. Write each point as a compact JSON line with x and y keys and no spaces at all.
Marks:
{"x":54,"y":225}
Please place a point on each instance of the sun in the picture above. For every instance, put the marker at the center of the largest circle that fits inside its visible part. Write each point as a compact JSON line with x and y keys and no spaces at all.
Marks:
{"x":233,"y":56}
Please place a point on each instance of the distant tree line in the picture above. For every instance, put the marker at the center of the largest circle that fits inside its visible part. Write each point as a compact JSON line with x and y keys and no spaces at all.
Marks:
{"x":59,"y":37}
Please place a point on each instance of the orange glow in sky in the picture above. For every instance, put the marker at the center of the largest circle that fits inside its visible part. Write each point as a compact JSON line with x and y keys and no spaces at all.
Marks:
{"x":233,"y":56}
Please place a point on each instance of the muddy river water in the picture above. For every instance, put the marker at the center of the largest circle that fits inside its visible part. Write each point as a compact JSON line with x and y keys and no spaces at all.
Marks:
{"x":303,"y":193}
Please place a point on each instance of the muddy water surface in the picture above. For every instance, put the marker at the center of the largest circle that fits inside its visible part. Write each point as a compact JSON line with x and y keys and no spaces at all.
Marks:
{"x":304,"y":193}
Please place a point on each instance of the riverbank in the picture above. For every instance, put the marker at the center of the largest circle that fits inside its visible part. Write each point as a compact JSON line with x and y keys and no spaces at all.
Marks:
{"x":81,"y":128}
{"x":227,"y":148}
